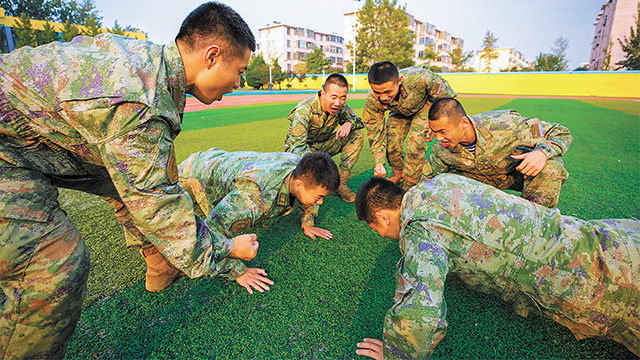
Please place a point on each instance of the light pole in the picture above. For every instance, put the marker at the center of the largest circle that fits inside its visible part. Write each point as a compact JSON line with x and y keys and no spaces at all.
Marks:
{"x":355,"y":19}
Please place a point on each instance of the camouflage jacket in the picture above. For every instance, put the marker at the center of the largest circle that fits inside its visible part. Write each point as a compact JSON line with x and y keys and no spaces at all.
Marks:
{"x":110,"y":107}
{"x":235,"y":189}
{"x":309,"y":125}
{"x":499,"y":134}
{"x":583,"y":274}
{"x":420,"y":87}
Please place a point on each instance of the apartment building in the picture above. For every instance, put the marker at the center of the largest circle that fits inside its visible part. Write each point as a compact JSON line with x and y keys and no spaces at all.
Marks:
{"x":291,"y":45}
{"x":613,"y":23}
{"x":427,"y":35}
{"x":508,"y":58}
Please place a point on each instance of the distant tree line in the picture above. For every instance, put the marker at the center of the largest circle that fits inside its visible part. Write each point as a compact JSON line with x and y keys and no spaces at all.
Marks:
{"x":78,"y":17}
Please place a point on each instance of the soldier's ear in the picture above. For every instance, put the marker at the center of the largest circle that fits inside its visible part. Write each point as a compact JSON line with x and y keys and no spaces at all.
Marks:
{"x":464,"y":122}
{"x":211,"y":54}
{"x":383,"y":218}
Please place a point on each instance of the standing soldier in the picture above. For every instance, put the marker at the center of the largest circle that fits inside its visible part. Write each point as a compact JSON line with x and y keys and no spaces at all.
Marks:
{"x":313,"y":128}
{"x":500,"y":148}
{"x":100,"y":115}
{"x":407,"y":95}
{"x":584,"y":275}
{"x":233,"y":190}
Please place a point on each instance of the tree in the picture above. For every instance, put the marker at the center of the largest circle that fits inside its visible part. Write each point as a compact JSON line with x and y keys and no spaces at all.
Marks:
{"x":459,"y":58}
{"x":429,"y":54}
{"x":257,"y":73}
{"x":557,"y":60}
{"x":316,"y":62}
{"x":25,"y":34}
{"x":33,"y":9}
{"x":383,"y":34}
{"x":488,"y":53}
{"x":299,"y":71}
{"x":92,"y":25}
{"x":69,"y":31}
{"x":47,"y":35}
{"x":631,"y":46}
{"x":277,"y":75}
{"x":116,"y":29}
{"x":606,"y":63}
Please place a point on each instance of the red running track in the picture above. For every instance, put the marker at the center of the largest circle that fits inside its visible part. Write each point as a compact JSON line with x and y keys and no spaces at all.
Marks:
{"x":237,"y":100}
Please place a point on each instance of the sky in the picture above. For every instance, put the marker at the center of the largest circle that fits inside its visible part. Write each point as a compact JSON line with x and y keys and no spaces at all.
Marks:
{"x":529,"y":26}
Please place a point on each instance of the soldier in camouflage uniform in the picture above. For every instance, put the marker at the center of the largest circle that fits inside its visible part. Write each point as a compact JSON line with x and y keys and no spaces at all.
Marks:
{"x":500,"y":148}
{"x":236,"y":189}
{"x":407,"y":95}
{"x":100,"y":115}
{"x":325,"y":123}
{"x":584,"y":275}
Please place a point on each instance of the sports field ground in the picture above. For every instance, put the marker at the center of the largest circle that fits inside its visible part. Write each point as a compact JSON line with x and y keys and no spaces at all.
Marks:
{"x":329,"y":294}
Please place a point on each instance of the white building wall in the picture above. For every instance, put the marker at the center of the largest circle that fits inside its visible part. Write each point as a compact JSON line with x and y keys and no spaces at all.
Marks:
{"x":507,"y":59}
{"x":613,"y":22}
{"x":291,"y":45}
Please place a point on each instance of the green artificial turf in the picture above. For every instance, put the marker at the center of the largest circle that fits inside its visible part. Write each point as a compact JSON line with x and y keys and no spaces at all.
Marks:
{"x":329,"y":294}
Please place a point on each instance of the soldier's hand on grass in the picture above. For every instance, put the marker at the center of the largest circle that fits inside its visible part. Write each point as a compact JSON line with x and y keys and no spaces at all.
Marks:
{"x":371,"y":348}
{"x":254,"y":278}
{"x":343,"y":130}
{"x":312,"y":232}
{"x":532,"y":162}
{"x":245,"y":247}
{"x":379,"y":171}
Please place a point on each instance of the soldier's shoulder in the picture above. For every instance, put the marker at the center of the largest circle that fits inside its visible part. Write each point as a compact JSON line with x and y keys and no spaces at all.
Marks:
{"x":494,"y":118}
{"x":306,"y":106}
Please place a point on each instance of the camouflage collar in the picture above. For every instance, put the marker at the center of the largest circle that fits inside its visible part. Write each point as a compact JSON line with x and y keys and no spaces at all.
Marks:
{"x":284,"y":196}
{"x":316,"y":106}
{"x":175,"y":75}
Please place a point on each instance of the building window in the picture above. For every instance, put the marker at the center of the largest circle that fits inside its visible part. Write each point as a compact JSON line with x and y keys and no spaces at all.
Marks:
{"x":288,"y":31}
{"x":288,"y":43}
{"x":288,"y":55}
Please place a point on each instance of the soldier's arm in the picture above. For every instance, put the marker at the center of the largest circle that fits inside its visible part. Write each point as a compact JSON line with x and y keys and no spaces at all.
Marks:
{"x":298,"y":131}
{"x":347,"y":114}
{"x":434,"y":164}
{"x":437,"y":86}
{"x":373,"y":118}
{"x":416,"y":322}
{"x":143,"y":169}
{"x":236,"y":213}
{"x":550,"y":138}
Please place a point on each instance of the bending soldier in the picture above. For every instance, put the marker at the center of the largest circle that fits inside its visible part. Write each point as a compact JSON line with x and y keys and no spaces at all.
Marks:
{"x":407,"y":95}
{"x":500,"y":148}
{"x":100,"y":115}
{"x":233,"y":190}
{"x":582,"y":274}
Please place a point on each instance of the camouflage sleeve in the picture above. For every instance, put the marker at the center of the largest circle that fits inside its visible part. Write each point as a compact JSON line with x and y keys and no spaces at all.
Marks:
{"x":416,"y":322}
{"x":298,"y":132}
{"x":550,"y":138}
{"x":308,"y":215}
{"x":347,"y":114}
{"x":143,"y":169}
{"x":373,"y":118}
{"x":438,"y":87}
{"x":434,"y":164}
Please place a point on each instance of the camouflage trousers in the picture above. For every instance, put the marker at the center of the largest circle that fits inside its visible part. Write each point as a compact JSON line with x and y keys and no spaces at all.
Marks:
{"x":415,"y":129}
{"x":44,"y":267}
{"x":348,"y":147}
{"x":544,"y":188}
